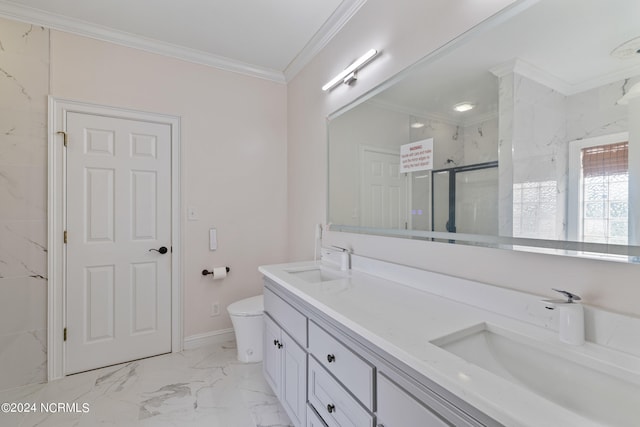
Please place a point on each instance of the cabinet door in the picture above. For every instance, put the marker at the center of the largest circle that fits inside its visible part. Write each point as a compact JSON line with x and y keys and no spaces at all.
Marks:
{"x":271,"y":359}
{"x":396,"y":408}
{"x":293,"y":390}
{"x":313,"y":420}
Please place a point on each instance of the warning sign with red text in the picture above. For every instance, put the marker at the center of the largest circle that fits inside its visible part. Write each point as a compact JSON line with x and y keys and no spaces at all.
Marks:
{"x":417,"y":156}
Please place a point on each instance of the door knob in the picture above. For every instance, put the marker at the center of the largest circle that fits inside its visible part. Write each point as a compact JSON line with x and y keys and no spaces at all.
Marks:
{"x":331,"y":407}
{"x":331,"y":358}
{"x":163,"y":250}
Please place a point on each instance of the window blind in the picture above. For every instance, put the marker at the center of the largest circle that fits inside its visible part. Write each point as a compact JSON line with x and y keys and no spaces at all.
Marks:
{"x":603,"y":160}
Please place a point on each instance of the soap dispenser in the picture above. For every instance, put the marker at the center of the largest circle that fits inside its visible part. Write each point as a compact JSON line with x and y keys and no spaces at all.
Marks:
{"x":570,"y":317}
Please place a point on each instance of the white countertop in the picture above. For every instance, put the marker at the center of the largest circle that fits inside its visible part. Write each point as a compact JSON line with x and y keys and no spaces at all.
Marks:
{"x":402,"y":320}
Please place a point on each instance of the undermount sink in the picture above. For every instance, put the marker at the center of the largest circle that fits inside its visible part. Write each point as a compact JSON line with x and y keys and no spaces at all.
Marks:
{"x":582,"y":384}
{"x":316,"y":274}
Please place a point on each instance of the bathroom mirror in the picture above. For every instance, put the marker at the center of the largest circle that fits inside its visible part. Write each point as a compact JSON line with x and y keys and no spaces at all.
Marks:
{"x":524,"y":133}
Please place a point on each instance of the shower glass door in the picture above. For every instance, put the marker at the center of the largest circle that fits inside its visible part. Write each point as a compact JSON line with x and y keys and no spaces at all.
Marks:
{"x":465,"y":199}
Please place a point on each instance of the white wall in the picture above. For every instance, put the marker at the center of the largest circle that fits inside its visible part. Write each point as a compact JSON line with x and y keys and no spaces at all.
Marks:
{"x":406,"y":30}
{"x":234,"y":151}
{"x":233,"y":134}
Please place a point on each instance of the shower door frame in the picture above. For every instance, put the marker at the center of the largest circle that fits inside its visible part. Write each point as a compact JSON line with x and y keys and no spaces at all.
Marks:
{"x":451,"y":223}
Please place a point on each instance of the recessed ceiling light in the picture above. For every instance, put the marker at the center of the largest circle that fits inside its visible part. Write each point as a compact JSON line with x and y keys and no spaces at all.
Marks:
{"x":417,"y":125}
{"x":463,"y":106}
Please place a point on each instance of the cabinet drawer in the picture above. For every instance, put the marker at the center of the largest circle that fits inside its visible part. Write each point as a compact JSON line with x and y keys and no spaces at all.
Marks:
{"x":350,"y":369}
{"x":396,"y":408}
{"x":334,"y":404}
{"x":313,"y":420}
{"x":290,"y":319}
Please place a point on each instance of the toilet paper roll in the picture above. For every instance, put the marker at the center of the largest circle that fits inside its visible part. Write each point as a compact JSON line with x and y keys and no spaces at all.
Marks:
{"x":219,"y":273}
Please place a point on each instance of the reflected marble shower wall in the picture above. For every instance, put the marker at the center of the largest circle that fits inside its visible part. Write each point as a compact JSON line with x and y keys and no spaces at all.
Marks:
{"x":537,"y":124}
{"x":481,"y":141}
{"x":24,"y":85}
{"x":595,"y":112}
{"x":459,"y":144}
{"x":539,"y":161}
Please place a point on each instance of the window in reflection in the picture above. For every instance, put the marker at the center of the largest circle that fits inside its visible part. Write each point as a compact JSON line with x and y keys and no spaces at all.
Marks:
{"x":605,"y":193}
{"x":534,"y":209}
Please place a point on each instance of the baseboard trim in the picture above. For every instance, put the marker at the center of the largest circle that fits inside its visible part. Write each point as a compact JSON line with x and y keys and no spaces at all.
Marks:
{"x":215,"y":337}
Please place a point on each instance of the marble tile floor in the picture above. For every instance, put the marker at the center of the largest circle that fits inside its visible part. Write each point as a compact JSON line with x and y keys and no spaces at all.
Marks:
{"x":201,"y":387}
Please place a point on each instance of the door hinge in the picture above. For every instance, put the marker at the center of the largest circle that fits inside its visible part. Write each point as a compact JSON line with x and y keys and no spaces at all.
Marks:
{"x":65,"y":334}
{"x":65,"y":236}
{"x":64,"y":137}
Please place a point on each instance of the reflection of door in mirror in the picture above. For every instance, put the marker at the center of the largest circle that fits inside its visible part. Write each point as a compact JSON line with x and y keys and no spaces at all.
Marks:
{"x":599,"y":189}
{"x":383,"y":190}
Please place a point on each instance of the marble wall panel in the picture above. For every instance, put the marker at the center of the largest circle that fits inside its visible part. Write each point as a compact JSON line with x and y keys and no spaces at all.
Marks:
{"x":595,"y":112}
{"x":23,"y":358}
{"x":28,"y":308}
{"x":23,"y":249}
{"x":481,"y":142}
{"x":24,"y":86}
{"x":448,"y":141}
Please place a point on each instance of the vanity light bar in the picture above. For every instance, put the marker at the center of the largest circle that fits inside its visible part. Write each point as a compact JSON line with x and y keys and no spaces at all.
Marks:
{"x":351,"y":69}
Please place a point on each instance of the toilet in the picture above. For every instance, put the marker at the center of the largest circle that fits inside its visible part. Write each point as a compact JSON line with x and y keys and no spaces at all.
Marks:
{"x":246,"y":317}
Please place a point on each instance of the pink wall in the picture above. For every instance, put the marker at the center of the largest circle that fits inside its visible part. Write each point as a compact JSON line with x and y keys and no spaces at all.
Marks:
{"x":405,"y":31}
{"x":233,"y":158}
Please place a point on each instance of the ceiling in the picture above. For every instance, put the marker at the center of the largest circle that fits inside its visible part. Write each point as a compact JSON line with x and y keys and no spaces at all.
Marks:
{"x":565,"y":45}
{"x":270,"y":39}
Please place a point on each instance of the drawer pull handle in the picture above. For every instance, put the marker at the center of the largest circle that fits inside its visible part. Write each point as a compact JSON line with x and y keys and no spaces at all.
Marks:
{"x":331,"y":407}
{"x":331,"y":358}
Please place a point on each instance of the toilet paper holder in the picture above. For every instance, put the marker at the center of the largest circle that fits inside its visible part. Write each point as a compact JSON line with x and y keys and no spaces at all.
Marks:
{"x":207,"y":272}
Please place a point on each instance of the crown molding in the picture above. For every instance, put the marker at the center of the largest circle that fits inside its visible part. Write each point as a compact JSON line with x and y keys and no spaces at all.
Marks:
{"x":462,"y":122}
{"x":333,"y":25}
{"x":82,"y":28}
{"x":530,"y":71}
{"x":538,"y":75}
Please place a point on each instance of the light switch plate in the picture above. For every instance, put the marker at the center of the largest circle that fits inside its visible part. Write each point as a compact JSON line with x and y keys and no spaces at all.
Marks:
{"x":213,"y":239}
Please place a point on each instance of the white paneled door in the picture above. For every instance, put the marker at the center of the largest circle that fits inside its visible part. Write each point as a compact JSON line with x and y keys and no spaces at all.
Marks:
{"x":118,"y":260}
{"x":383,"y":189}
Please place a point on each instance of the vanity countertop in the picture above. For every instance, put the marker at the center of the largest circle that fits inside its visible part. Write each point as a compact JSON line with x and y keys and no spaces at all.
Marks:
{"x":402,"y":320}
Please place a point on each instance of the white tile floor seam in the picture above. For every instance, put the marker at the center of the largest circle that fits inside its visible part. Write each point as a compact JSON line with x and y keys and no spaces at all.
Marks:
{"x":202,"y":387}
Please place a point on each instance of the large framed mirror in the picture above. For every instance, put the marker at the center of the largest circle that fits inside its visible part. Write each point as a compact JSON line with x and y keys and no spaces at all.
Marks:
{"x":523,"y":133}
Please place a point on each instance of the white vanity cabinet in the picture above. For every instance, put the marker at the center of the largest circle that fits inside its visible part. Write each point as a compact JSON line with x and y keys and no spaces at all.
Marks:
{"x":336,"y":406}
{"x":396,"y":408}
{"x":355,"y":373}
{"x":313,"y":420}
{"x":284,"y":360}
{"x":349,"y":381}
